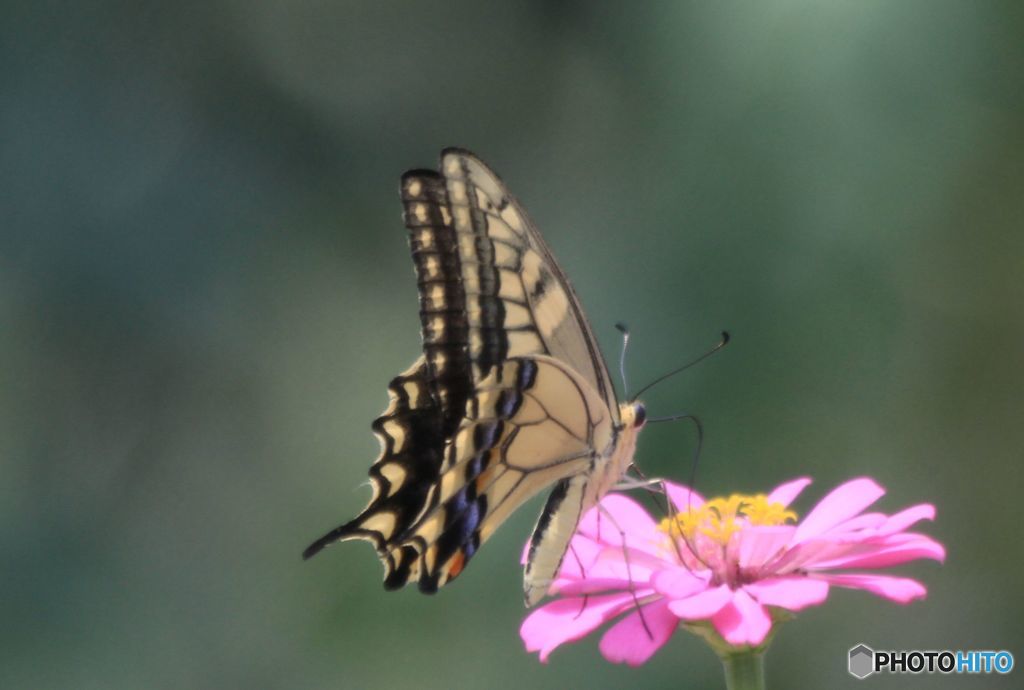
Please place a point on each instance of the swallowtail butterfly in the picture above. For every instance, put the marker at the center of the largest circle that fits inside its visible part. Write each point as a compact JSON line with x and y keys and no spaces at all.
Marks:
{"x":510,"y":396}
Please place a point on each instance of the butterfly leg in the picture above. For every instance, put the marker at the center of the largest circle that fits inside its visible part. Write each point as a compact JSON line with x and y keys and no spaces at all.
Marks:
{"x":629,"y":483}
{"x":583,"y":571}
{"x":629,"y":568}
{"x":669,"y":510}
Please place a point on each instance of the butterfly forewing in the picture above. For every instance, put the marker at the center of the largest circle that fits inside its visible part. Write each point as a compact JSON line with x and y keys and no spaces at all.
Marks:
{"x":484,"y":206}
{"x":444,"y":314}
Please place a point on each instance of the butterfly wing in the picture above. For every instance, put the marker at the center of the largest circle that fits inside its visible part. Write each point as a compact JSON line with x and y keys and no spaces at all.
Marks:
{"x":533,"y":308}
{"x":532,"y":422}
{"x":412,"y":451}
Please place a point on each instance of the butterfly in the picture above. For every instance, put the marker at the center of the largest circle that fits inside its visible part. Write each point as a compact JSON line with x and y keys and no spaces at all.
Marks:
{"x":510,"y":396}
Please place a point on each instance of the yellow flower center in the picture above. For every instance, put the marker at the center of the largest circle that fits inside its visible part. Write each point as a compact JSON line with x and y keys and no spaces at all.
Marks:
{"x":719,"y":518}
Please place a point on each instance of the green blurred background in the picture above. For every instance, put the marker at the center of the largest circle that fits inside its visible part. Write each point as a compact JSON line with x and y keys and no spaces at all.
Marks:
{"x":205,"y":286}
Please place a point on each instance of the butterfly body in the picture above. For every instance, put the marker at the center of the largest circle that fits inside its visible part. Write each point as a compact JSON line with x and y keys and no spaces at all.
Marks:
{"x":510,"y":396}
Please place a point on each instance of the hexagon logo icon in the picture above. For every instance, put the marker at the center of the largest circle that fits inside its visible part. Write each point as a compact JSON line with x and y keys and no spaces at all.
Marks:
{"x":862,"y":661}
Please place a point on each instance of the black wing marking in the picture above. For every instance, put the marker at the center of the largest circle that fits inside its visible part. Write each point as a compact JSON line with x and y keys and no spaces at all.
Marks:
{"x":443,"y":299}
{"x":495,"y":213}
{"x":412,"y":451}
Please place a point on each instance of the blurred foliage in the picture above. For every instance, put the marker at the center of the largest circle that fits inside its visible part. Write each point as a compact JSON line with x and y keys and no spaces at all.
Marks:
{"x":204,"y":287}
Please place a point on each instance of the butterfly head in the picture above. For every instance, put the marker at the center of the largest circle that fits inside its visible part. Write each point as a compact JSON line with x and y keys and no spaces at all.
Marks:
{"x":633,"y":414}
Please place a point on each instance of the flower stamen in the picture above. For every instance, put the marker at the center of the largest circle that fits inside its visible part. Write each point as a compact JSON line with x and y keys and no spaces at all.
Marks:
{"x":720,"y":518}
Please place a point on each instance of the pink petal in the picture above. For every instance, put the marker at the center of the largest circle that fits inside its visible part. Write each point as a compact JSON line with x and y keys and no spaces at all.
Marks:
{"x":702,"y":605}
{"x":633,"y":642}
{"x":592,"y":585}
{"x":759,"y":545}
{"x":842,"y":503}
{"x":592,"y":567}
{"x":565,"y":620}
{"x":811,"y":551}
{"x":865,"y":521}
{"x":627,"y":566}
{"x":621,"y":520}
{"x":683,"y":498}
{"x":677,"y":583}
{"x":793,"y":593}
{"x":617,"y":512}
{"x":608,"y":569}
{"x":602,"y":568}
{"x":581,"y":554}
{"x":742,"y":621}
{"x":905,"y":518}
{"x":884,"y":555}
{"x":787,"y":493}
{"x":624,"y":561}
{"x":899,"y":589}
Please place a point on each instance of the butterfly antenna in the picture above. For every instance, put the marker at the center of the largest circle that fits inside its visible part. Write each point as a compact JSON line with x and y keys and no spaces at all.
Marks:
{"x":718,"y":346}
{"x":624,"y":329}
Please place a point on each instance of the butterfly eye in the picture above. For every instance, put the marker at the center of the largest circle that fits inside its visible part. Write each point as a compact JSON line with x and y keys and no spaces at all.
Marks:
{"x":639,"y":415}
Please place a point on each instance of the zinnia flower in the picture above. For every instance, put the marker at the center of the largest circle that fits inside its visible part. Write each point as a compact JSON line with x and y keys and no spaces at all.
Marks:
{"x":726,"y":564}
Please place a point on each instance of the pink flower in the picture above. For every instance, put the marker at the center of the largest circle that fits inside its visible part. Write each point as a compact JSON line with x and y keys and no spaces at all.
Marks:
{"x":727,"y":563}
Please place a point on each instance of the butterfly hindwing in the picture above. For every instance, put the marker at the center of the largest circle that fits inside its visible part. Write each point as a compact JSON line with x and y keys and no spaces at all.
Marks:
{"x":566,"y":503}
{"x":412,"y":452}
{"x":533,"y":422}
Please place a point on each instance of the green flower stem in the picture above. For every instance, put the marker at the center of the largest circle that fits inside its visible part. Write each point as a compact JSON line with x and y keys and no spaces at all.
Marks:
{"x":744,"y":670}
